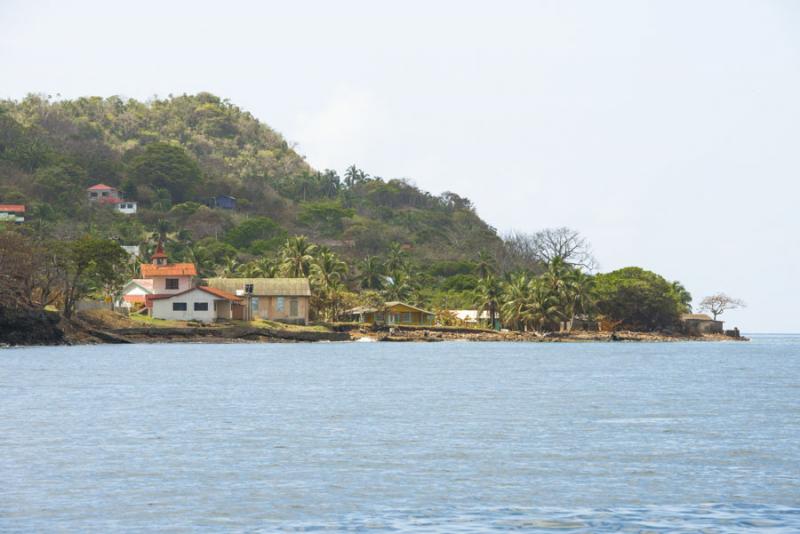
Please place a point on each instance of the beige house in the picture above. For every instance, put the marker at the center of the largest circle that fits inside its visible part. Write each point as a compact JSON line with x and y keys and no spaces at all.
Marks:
{"x":700,"y":323}
{"x":276,"y":299}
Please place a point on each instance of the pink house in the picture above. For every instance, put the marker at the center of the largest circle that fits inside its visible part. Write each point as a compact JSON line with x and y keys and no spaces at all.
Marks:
{"x":168,"y":277}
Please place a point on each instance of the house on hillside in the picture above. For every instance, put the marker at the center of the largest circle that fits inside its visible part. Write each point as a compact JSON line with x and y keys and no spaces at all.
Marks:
{"x":392,"y":313}
{"x":168,"y":277}
{"x":105,"y":194}
{"x":700,"y":323}
{"x":276,"y":299}
{"x":203,"y":304}
{"x":224,"y":202}
{"x":14,"y":213}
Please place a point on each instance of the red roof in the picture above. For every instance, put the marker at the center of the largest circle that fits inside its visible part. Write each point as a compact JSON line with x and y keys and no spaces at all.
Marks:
{"x":211,"y":291}
{"x":159,"y":251}
{"x":13,"y":208}
{"x":101,"y":187}
{"x":171,"y":269}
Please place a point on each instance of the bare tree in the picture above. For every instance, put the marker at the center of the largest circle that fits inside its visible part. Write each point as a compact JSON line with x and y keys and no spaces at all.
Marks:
{"x":546,"y":245}
{"x":719,"y":303}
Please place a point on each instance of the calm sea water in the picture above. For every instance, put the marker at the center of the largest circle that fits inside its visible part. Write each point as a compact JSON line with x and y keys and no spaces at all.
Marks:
{"x":440,"y":437}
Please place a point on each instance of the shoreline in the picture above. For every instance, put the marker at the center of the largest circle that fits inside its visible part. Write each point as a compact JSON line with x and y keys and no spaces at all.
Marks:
{"x":104,"y":328}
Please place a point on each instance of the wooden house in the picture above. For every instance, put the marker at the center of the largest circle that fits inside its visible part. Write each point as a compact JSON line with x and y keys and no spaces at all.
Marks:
{"x":276,"y":299}
{"x":393,"y":313}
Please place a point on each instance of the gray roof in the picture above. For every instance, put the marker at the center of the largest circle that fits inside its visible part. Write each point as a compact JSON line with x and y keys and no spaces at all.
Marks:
{"x":264,"y":287}
{"x":696,"y":317}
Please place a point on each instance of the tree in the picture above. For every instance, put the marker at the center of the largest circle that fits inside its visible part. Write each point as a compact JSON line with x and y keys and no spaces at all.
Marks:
{"x":371,"y":273}
{"x":719,"y":303}
{"x":327,"y":275}
{"x":91,"y":264}
{"x":489,"y":294}
{"x":256,"y":229}
{"x":296,"y":257}
{"x":485,"y":264}
{"x":638,"y":299}
{"x":325,"y":217}
{"x":166,"y":166}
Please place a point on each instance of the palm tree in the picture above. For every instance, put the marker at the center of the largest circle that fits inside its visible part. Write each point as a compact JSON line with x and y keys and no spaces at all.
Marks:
{"x":371,"y":273}
{"x":515,"y":300}
{"x":541,"y":310}
{"x":327,"y":274}
{"x":296,"y":257}
{"x":396,"y":259}
{"x":489,"y":295}
{"x":399,"y":286}
{"x":230,"y":268}
{"x":485,"y":264}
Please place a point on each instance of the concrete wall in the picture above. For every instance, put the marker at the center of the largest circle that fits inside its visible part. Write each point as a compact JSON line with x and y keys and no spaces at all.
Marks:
{"x":162,"y":308}
{"x":160,"y":284}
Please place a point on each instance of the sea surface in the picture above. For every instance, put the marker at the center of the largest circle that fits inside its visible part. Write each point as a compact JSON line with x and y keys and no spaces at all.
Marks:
{"x":374,"y":437}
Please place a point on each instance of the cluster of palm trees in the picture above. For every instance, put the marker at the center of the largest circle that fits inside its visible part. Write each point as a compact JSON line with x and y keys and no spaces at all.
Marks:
{"x":524,"y":301}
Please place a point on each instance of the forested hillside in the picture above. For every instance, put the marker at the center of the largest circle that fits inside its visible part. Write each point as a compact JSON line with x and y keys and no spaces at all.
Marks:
{"x":360,"y":239}
{"x":170,"y":155}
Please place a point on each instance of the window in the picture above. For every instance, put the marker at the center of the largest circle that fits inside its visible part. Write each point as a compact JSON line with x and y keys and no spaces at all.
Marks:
{"x":405,"y":317}
{"x":201,"y":306}
{"x":254,"y":304}
{"x":179,"y":306}
{"x":248,"y":288}
{"x":280,"y":304}
{"x":172,"y":283}
{"x":293,"y":308}
{"x":93,"y":194}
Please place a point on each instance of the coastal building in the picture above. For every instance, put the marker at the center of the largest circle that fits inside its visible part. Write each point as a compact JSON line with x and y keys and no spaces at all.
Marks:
{"x":276,"y":299}
{"x":224,"y":202}
{"x":168,"y":278}
{"x":105,"y":194}
{"x":392,"y":313}
{"x":471,"y":317}
{"x":135,"y":292}
{"x":13,"y":213}
{"x":202,"y":304}
{"x":700,"y":323}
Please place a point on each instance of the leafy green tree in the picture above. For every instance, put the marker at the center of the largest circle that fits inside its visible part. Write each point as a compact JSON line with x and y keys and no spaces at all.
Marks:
{"x":325,"y":217}
{"x":256,"y":229}
{"x":91,"y":264}
{"x":328,"y":272}
{"x":637,"y":299}
{"x":167,"y":166}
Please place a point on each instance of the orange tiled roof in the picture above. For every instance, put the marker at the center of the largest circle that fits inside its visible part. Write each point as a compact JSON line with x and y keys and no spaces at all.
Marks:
{"x":101,"y":187}
{"x":171,"y":269}
{"x":13,"y":208}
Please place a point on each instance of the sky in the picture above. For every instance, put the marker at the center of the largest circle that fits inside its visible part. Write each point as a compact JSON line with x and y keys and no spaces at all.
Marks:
{"x":666,"y":132}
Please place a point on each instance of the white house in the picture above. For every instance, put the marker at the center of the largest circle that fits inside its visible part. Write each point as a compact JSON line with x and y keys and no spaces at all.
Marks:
{"x":135,"y":291}
{"x":201,"y":303}
{"x":126,"y":206}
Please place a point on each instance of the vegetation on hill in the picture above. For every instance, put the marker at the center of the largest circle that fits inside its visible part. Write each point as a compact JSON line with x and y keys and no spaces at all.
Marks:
{"x":359,"y":238}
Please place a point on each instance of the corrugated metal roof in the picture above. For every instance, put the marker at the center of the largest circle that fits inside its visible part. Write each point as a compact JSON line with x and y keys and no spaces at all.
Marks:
{"x":696,"y":317}
{"x":267,"y":287}
{"x":211,"y":291}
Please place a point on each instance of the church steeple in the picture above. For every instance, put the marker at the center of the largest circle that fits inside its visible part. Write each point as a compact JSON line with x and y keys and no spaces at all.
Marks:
{"x":159,"y":258}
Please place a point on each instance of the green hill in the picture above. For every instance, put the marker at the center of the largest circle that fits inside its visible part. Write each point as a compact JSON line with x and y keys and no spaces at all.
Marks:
{"x":171,"y":155}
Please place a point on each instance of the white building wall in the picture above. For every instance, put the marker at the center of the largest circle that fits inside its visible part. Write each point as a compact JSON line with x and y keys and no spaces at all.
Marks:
{"x":160,"y":284}
{"x":162,"y":308}
{"x":128,"y":208}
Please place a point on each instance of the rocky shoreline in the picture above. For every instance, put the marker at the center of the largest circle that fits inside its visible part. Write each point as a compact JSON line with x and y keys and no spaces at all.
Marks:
{"x":47,"y":328}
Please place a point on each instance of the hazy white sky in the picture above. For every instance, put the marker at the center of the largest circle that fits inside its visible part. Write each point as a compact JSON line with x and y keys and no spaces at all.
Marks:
{"x":667,"y":132}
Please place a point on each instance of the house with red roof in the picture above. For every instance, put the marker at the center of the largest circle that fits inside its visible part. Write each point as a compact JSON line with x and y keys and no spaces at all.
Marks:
{"x":105,"y":194}
{"x":168,"y":278}
{"x":14,"y":213}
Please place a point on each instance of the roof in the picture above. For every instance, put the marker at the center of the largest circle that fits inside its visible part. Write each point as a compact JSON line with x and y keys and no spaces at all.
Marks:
{"x":265,"y":287}
{"x":149,"y":270}
{"x":696,"y":317}
{"x":101,"y":187}
{"x":159,"y":251}
{"x":211,"y":291}
{"x":386,"y":306}
{"x":144,"y":283}
{"x":14,"y":208}
{"x":396,"y":303}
